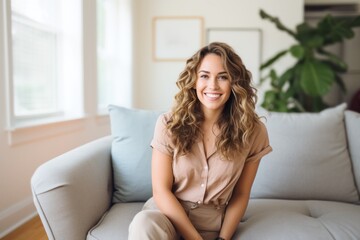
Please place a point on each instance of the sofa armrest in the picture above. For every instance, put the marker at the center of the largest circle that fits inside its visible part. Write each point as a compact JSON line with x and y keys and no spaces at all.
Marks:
{"x":71,"y":192}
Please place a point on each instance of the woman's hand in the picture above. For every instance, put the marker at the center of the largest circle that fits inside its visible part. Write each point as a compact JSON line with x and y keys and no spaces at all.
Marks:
{"x":239,"y":200}
{"x":162,"y":181}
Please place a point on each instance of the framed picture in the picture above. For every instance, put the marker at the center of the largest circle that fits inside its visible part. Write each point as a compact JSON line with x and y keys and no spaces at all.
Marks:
{"x":177,"y":38}
{"x":247,"y":43}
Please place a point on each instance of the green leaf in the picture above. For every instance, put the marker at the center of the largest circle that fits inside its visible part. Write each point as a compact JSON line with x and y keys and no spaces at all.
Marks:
{"x":336,"y":29}
{"x":290,"y":92}
{"x":275,"y":83}
{"x":282,"y":106}
{"x":273,"y":77}
{"x":270,"y":96}
{"x":303,"y":32}
{"x":335,"y":62}
{"x":286,"y":77}
{"x":337,"y":68}
{"x":304,"y":29}
{"x":269,"y":100}
{"x":273,"y":59}
{"x":297,"y":51}
{"x":273,"y":101}
{"x":314,"y":41}
{"x":316,"y":78}
{"x":317,"y":104}
{"x":308,"y":36}
{"x":350,"y":21}
{"x":269,"y":76}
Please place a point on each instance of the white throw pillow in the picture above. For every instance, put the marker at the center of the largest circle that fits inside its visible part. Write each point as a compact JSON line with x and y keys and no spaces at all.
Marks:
{"x":310,"y":159}
{"x":352,"y":120}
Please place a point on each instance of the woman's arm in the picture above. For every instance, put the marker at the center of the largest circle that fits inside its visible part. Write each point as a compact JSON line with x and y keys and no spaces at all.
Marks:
{"x":162,"y":180}
{"x":239,"y":200}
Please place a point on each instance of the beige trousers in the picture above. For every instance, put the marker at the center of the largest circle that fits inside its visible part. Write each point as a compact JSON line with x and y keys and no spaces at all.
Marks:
{"x":151,"y":224}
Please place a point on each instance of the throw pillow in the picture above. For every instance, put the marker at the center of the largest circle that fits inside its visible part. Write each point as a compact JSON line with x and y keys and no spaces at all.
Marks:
{"x":132,"y":131}
{"x":352,"y":120}
{"x":310,"y":159}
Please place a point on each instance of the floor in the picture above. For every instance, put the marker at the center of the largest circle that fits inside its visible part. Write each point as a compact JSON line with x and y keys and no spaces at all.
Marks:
{"x":32,"y":230}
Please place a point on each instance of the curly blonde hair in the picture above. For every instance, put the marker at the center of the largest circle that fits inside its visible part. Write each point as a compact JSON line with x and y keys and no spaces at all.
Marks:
{"x":238,"y":118}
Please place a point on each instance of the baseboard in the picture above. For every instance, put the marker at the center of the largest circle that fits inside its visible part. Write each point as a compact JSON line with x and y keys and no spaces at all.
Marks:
{"x":16,"y":215}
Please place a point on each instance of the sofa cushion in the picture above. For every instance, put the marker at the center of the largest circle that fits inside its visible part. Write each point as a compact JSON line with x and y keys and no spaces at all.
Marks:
{"x":132,"y":131}
{"x":352,"y":120}
{"x":114,"y":224}
{"x":272,"y":219}
{"x":310,"y":159}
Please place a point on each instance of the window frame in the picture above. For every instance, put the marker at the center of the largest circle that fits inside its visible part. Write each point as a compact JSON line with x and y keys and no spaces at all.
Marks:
{"x":14,"y":122}
{"x":49,"y":114}
{"x":21,"y":130}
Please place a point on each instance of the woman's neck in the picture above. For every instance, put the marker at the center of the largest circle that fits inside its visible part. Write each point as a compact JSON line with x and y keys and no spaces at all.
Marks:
{"x":211,"y":117}
{"x":210,"y":123}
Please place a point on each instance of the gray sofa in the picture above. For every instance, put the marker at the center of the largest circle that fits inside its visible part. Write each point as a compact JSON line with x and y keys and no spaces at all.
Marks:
{"x":307,"y":188}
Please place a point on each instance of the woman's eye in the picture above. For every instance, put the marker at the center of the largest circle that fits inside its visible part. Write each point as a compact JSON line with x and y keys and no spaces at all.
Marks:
{"x":224,"y":77}
{"x":203,"y":76}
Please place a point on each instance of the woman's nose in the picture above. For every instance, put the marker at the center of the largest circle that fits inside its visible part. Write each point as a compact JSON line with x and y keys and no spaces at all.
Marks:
{"x":213,"y":83}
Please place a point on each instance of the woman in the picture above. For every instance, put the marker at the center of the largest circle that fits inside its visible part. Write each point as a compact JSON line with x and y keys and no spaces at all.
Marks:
{"x":206,"y":152}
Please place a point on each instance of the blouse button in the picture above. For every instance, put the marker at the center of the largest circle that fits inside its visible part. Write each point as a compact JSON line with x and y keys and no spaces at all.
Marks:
{"x":202,"y":185}
{"x":199,"y":202}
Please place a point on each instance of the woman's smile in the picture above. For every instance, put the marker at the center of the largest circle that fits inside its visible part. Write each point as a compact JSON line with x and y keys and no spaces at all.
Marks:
{"x":212,"y":96}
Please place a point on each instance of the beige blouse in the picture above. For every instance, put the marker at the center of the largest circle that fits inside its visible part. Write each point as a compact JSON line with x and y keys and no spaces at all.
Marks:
{"x":207,"y":180}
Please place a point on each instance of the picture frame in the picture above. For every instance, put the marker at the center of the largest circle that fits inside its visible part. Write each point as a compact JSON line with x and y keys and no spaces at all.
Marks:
{"x":177,"y":38}
{"x":247,"y":43}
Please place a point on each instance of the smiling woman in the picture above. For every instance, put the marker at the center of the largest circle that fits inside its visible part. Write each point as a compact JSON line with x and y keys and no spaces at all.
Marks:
{"x":206,"y":152}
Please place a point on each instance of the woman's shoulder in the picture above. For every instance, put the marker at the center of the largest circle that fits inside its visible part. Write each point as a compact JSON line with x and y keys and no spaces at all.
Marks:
{"x":259,"y":129}
{"x":165,"y":117}
{"x":163,"y":121}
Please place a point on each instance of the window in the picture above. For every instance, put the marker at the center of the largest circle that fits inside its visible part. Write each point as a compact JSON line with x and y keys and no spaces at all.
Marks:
{"x":34,"y":81}
{"x":44,"y":39}
{"x":114,"y":53}
{"x":53,"y":72}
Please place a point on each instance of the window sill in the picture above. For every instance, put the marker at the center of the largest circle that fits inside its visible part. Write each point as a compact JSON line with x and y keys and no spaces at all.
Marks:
{"x":31,"y":131}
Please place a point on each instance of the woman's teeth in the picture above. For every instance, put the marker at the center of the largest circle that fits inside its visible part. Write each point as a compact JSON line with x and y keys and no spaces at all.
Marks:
{"x":212,"y":95}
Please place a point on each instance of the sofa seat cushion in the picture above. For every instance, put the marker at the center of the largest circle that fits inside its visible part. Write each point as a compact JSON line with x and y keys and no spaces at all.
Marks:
{"x":299,"y":219}
{"x":115,"y":222}
{"x":269,"y":219}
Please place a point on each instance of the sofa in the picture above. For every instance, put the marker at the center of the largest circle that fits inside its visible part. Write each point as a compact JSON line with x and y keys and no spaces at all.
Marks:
{"x":307,"y":188}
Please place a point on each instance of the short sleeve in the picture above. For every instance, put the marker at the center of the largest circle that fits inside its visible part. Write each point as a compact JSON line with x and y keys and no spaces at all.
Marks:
{"x":162,"y":139}
{"x":259,"y":143}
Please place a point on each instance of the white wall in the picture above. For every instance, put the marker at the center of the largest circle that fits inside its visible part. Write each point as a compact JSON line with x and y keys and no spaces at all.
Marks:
{"x":154,"y":84}
{"x":155,"y":81}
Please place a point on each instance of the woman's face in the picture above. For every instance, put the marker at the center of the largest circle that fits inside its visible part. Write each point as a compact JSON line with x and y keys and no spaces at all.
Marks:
{"x":213,"y":87}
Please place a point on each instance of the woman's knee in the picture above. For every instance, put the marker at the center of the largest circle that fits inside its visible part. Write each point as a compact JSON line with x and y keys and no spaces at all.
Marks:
{"x":149,"y":219}
{"x":152,"y":224}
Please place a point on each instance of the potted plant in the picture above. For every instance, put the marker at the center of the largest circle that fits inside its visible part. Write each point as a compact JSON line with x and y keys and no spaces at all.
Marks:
{"x":302,"y":86}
